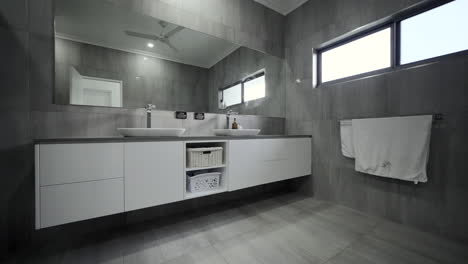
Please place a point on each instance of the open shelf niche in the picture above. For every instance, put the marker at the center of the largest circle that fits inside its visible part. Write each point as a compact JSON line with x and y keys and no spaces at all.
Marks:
{"x":222,"y":168}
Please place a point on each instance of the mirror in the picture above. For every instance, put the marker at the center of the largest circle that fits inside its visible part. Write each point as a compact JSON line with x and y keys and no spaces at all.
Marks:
{"x":106,"y":55}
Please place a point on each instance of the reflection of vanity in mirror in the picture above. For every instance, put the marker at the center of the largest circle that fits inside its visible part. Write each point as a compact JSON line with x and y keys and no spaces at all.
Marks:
{"x":108,"y":56}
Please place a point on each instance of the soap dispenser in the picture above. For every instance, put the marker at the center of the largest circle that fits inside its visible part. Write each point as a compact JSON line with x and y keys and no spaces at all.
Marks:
{"x":234,"y":124}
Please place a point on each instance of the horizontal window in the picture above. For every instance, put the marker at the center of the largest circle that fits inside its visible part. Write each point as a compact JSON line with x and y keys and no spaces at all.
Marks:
{"x":424,"y":31}
{"x":249,"y":89}
{"x":369,"y":53}
{"x":434,"y":33}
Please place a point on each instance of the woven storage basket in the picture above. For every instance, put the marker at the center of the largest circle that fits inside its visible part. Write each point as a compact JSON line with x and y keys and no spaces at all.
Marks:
{"x":204,"y":157}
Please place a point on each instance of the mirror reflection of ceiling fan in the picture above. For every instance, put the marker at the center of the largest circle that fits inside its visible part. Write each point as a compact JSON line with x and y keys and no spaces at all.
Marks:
{"x":162,"y":37}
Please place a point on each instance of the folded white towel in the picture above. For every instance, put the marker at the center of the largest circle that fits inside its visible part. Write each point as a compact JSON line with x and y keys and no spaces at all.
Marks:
{"x":346,"y":133}
{"x":396,"y":147}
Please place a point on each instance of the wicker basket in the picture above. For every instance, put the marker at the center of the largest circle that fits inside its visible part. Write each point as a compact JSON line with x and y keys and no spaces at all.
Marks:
{"x":204,"y":157}
{"x":203,"y":182}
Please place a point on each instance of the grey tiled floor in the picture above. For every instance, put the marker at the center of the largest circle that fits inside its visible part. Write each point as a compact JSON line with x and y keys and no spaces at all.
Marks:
{"x":286,"y":229}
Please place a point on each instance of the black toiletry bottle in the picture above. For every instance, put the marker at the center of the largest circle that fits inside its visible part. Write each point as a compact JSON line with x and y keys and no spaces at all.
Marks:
{"x":234,"y":124}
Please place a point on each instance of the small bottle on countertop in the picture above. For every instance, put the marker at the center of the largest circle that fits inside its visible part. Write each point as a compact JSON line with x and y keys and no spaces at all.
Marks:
{"x":234,"y":124}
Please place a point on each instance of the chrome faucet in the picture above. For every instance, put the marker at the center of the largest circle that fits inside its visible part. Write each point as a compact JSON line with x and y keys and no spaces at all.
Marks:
{"x":149,"y":108}
{"x":228,"y":117}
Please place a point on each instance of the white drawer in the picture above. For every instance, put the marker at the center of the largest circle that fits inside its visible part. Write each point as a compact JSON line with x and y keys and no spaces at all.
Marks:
{"x":69,"y":163}
{"x":260,"y":161}
{"x":61,"y":204}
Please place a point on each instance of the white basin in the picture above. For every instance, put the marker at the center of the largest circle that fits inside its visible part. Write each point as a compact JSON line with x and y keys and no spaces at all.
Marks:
{"x":236,"y":132}
{"x":151,"y":132}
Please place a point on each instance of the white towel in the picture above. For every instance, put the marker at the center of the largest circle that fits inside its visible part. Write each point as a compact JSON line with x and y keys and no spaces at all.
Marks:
{"x":396,"y":147}
{"x":346,"y":133}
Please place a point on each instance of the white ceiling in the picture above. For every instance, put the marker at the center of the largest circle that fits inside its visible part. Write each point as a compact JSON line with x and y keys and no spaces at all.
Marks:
{"x":100,"y":23}
{"x":282,"y":6}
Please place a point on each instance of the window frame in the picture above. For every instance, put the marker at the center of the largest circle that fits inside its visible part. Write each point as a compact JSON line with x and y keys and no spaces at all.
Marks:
{"x":242,"y":81}
{"x":394,"y":23}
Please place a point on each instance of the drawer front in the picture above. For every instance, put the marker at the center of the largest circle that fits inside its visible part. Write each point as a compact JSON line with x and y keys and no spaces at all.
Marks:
{"x":298,"y":161}
{"x":61,"y":204}
{"x":69,"y":163}
{"x":256,"y":162}
{"x":153,"y":174}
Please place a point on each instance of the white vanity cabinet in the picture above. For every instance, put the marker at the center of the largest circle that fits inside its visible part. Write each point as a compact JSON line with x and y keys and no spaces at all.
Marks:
{"x":153,"y":174}
{"x":259,"y":161}
{"x":78,"y":181}
{"x":82,"y":180}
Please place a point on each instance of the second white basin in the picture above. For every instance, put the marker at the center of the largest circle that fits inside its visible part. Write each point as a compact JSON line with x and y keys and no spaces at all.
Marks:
{"x":236,"y":132}
{"x":151,"y":132}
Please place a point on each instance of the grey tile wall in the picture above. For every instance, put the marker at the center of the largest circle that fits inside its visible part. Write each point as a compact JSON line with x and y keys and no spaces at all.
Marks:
{"x":440,"y":87}
{"x":240,"y":64}
{"x":169,"y":85}
{"x":15,"y":140}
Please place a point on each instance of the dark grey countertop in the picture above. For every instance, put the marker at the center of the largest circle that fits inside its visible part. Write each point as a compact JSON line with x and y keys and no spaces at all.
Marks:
{"x":154,"y":139}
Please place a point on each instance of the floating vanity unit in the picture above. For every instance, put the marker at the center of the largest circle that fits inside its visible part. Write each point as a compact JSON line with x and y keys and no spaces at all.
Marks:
{"x":79,"y":179}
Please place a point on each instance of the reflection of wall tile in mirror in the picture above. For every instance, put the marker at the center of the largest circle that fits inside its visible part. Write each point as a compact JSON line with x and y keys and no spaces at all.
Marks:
{"x":13,"y":91}
{"x":203,"y":127}
{"x":163,"y":119}
{"x":169,"y":85}
{"x":240,"y":64}
{"x":244,"y":22}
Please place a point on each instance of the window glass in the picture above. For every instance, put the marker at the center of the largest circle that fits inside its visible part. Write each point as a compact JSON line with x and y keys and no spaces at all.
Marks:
{"x":232,"y":95}
{"x":366,"y":54}
{"x":437,"y":32}
{"x":254,"y":89}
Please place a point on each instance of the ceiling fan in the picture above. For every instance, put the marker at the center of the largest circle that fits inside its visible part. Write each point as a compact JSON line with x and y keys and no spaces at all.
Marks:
{"x":162,"y":37}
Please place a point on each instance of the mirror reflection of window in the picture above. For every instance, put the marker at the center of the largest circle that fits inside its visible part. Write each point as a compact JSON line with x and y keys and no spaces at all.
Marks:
{"x":254,"y":89}
{"x":232,"y":95}
{"x":94,"y":91}
{"x":249,"y":89}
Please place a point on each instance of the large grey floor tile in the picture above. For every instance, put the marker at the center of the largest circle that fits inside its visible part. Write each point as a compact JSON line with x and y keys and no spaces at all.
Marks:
{"x":349,"y":257}
{"x":229,"y":224}
{"x":314,"y":247}
{"x":379,"y":251}
{"x":433,"y":246}
{"x":177,"y":240}
{"x":140,"y":249}
{"x":259,"y":248}
{"x":323,"y":228}
{"x":272,"y":211}
{"x":237,"y":250}
{"x":350,"y":218}
{"x":208,"y":255}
